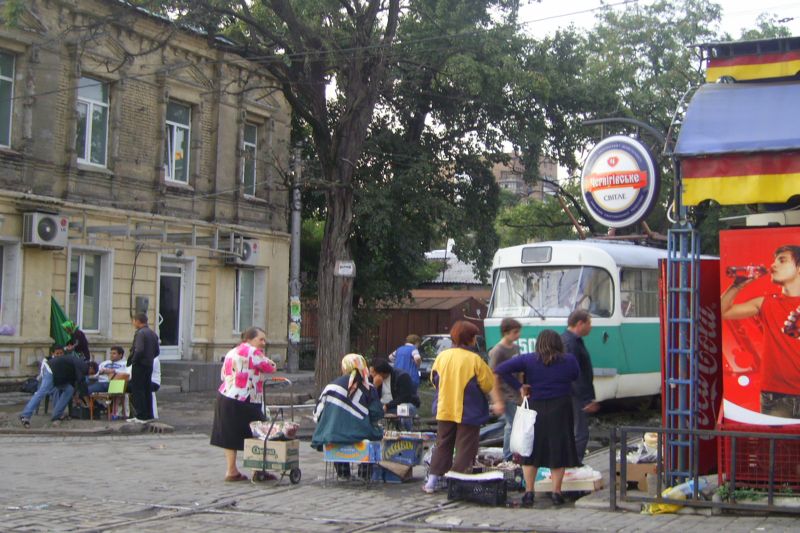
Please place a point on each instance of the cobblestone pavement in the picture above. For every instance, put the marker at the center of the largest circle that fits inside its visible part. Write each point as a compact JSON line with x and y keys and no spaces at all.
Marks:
{"x":174,"y":483}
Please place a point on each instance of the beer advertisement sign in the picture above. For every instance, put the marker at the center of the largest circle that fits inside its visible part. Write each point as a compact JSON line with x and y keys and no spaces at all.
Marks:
{"x":619,"y":184}
{"x":760,"y":310}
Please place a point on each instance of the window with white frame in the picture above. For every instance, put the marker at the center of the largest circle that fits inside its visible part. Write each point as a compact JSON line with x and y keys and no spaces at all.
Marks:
{"x":85,"y":289}
{"x":91,"y":138}
{"x":2,"y":285}
{"x":244,"y":309}
{"x":10,"y":286}
{"x":639,"y":292}
{"x":177,"y":139}
{"x":6,"y":97}
{"x":249,"y":146}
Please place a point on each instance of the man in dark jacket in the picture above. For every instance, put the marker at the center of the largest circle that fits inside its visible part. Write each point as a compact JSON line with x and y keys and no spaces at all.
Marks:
{"x":144,"y":350}
{"x":69,"y":373}
{"x":579,"y":324}
{"x":394,"y":387}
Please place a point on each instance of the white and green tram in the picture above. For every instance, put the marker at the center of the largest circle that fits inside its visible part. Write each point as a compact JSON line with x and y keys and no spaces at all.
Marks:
{"x":540,"y":284}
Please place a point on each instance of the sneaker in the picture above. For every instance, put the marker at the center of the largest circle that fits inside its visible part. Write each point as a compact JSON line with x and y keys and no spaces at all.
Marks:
{"x":135,"y":420}
{"x":430,"y":486}
{"x":26,"y":422}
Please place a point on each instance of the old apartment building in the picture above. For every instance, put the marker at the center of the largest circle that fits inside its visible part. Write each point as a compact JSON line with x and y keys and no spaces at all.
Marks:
{"x":511,"y":177}
{"x":142,"y":168}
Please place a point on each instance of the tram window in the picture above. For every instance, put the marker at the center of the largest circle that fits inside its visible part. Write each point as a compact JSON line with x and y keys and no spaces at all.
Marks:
{"x":546,"y":292}
{"x":639,"y":292}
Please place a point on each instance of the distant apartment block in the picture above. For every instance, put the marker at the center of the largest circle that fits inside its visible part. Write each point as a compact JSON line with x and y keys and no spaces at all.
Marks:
{"x":511,"y":177}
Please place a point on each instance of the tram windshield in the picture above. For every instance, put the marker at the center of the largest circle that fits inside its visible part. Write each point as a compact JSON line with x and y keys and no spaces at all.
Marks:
{"x":552,"y":292}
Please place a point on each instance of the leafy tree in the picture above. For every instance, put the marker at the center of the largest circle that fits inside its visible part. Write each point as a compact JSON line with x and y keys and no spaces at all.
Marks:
{"x":404,"y":105}
{"x":534,"y":221}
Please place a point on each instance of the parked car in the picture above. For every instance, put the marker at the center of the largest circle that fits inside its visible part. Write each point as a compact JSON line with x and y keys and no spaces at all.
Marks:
{"x":433,"y":345}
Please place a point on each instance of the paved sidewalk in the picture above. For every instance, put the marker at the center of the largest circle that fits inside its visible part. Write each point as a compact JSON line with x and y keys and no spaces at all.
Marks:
{"x":174,"y":483}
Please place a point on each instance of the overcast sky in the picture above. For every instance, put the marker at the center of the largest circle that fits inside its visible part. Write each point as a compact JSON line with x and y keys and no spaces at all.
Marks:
{"x":548,"y":15}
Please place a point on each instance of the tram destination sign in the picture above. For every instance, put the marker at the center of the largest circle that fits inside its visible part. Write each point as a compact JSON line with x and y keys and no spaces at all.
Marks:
{"x":620,"y":181}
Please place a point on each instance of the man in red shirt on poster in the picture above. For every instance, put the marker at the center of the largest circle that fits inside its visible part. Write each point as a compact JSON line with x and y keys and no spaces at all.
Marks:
{"x":778,"y":312}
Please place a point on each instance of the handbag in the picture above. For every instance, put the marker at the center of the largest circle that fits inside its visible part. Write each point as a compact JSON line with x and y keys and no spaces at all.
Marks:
{"x":521,"y":440}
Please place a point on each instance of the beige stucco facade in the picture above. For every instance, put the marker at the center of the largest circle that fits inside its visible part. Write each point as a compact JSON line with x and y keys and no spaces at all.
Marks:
{"x":138,"y":230}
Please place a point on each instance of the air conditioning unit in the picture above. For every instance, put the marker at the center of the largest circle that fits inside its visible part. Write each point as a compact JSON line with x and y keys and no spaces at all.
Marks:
{"x":45,"y":230}
{"x":247,"y":256}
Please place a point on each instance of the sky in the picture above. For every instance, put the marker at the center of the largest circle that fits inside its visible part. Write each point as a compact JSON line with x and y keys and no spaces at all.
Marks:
{"x":545,"y":17}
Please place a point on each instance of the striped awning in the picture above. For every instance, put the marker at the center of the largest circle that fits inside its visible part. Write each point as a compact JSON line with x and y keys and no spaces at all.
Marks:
{"x":740,"y":144}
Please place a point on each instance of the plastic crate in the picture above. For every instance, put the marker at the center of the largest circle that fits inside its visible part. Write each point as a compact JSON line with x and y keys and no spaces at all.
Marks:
{"x":486,"y":492}
{"x":752,"y":456}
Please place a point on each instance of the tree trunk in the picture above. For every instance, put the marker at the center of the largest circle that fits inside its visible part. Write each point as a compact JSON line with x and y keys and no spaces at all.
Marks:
{"x":335,"y":293}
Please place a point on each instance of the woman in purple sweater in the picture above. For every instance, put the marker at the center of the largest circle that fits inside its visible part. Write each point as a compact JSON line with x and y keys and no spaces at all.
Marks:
{"x":549,"y":374}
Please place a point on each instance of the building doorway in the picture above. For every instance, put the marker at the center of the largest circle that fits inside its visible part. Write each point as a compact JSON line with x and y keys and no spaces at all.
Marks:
{"x":171,"y":295}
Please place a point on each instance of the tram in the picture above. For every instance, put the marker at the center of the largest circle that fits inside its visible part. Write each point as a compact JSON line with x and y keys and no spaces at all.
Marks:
{"x":540,"y":284}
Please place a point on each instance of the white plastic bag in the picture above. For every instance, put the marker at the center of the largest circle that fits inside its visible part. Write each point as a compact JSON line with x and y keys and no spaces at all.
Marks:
{"x":521,"y":441}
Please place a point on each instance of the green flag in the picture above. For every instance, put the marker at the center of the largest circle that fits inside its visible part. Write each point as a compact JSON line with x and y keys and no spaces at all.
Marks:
{"x":57,"y":317}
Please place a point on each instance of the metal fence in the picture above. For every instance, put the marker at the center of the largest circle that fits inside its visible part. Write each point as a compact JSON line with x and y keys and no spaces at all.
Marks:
{"x":742,"y":456}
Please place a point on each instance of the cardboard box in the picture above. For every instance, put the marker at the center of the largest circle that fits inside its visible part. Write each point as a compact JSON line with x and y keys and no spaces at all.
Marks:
{"x":581,"y":485}
{"x":392,"y":472}
{"x":403,"y":450}
{"x":281,"y":455}
{"x":637,"y":473}
{"x":359,"y":452}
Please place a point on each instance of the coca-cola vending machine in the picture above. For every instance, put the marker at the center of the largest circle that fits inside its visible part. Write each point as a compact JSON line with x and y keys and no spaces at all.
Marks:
{"x":760,"y":304}
{"x":709,"y":359}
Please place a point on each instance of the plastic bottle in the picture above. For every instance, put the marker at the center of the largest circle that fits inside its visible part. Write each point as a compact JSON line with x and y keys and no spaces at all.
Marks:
{"x":741,"y":274}
{"x":684,"y":490}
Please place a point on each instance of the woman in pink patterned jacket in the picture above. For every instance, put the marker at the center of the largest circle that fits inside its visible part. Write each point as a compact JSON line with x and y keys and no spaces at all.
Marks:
{"x":239,"y":400}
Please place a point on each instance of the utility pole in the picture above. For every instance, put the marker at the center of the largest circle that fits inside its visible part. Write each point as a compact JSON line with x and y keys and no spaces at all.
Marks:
{"x":293,"y":356}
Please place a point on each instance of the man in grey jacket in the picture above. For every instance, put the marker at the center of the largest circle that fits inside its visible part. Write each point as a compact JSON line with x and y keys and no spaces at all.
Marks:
{"x":144,"y":350}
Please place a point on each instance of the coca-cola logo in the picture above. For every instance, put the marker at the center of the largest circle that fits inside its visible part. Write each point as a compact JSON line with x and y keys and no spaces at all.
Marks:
{"x":708,"y":350}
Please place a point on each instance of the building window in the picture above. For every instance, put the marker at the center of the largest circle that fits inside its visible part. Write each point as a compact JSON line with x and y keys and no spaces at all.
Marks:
{"x":639,"y":292}
{"x":249,"y":144}
{"x":243,"y":312}
{"x":178,"y":134}
{"x":10,"y":287}
{"x":2,"y":285}
{"x":84,"y":298}
{"x":6,"y":97}
{"x":92,"y":132}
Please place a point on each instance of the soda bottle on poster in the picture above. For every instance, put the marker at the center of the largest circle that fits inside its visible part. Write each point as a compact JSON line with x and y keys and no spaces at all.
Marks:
{"x":741,"y":274}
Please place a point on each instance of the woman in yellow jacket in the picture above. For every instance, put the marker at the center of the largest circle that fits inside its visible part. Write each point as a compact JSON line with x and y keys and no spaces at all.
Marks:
{"x":461,"y":380}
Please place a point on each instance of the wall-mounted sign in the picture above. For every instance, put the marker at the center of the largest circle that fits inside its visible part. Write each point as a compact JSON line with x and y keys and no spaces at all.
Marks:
{"x":345,"y":269}
{"x":619,"y":184}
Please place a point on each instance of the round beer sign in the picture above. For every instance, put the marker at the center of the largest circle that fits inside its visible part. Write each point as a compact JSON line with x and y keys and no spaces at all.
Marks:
{"x":619,"y":182}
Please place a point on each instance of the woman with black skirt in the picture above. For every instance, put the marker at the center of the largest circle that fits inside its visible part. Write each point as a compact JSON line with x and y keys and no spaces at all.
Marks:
{"x":549,"y":374}
{"x":239,"y":400}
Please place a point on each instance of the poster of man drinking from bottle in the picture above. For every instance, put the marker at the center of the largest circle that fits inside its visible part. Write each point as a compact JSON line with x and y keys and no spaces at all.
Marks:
{"x":760,"y":309}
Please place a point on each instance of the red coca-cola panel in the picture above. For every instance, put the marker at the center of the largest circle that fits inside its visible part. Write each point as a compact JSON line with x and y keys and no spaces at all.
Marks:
{"x":709,"y":358}
{"x":759,"y":299}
